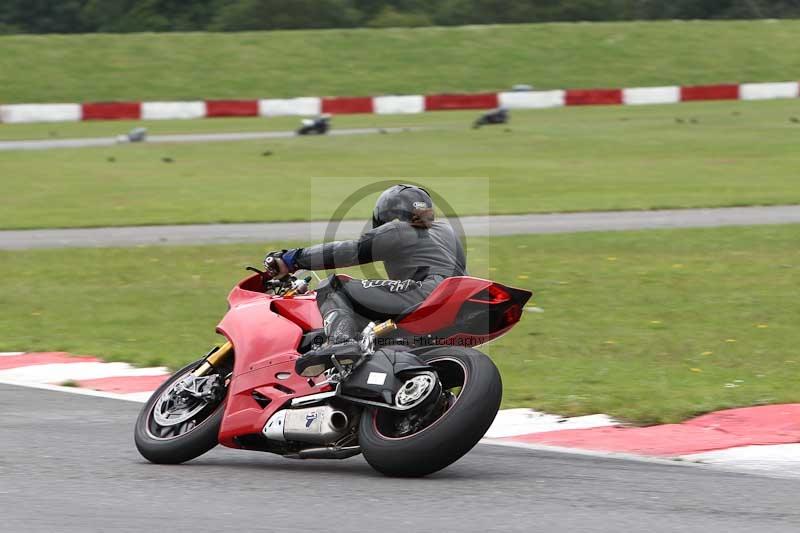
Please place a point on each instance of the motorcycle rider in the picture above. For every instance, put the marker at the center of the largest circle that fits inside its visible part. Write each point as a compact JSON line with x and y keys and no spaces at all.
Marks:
{"x":417,"y":251}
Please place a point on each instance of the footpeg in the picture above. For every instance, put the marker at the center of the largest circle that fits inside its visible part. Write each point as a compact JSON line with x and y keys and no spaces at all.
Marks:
{"x":315,"y":362}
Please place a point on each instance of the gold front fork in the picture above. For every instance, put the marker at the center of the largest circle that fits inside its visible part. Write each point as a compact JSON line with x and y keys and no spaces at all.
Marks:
{"x":215,"y":359}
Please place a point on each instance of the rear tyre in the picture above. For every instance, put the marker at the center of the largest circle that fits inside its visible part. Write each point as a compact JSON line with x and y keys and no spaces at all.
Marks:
{"x":475,"y":390}
{"x":178,"y":443}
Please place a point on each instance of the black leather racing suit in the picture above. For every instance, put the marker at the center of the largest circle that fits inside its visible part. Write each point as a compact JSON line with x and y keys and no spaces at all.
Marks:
{"x":416,"y":260}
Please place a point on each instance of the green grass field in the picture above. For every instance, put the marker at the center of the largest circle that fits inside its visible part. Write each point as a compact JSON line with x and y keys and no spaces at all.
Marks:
{"x":569,"y":159}
{"x":651,"y":326}
{"x":59,"y":68}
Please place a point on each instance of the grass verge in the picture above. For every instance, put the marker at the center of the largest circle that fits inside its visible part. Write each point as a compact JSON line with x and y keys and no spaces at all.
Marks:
{"x":652,"y":326}
{"x":147,"y":66}
{"x":570,"y":159}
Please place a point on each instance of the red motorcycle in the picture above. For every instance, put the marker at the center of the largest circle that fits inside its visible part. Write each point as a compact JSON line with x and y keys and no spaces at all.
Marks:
{"x":413,"y":397}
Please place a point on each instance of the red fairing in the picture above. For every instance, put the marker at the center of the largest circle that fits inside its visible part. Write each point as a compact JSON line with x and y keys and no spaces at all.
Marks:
{"x":302,"y":310}
{"x":265,"y":346}
{"x":441,"y":307}
{"x":466,"y":311}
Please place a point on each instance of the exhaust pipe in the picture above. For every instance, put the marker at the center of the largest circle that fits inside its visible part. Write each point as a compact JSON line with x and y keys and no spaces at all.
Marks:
{"x":331,"y":452}
{"x":339,"y":421}
{"x":315,"y":425}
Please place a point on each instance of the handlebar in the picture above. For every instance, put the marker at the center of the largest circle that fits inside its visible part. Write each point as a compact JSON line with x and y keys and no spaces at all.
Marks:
{"x":285,"y":286}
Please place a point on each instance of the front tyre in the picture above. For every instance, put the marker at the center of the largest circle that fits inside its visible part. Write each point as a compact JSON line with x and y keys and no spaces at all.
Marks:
{"x":471,"y":394}
{"x":181,"y":420}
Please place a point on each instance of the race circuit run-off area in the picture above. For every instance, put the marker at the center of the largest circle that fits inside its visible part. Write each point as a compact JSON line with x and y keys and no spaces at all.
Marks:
{"x":638,"y":178}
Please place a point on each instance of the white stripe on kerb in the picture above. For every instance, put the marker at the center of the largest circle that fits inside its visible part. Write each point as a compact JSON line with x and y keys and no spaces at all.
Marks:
{"x":276,"y":107}
{"x":531,"y":99}
{"x":651,"y":95}
{"x":511,"y":422}
{"x":22,"y":113}
{"x":173,"y":110}
{"x":61,"y":372}
{"x":388,"y":105}
{"x":776,"y":458}
{"x":769,"y":91}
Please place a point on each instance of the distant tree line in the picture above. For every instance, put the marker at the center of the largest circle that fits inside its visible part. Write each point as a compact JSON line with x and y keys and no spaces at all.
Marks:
{"x":121,"y":16}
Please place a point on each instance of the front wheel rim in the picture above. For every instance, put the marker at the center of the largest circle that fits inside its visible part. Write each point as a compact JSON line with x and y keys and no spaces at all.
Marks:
{"x":168,"y":420}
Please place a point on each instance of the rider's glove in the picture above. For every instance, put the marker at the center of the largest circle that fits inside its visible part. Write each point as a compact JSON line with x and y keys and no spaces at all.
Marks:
{"x":281,"y":262}
{"x":290,"y":258}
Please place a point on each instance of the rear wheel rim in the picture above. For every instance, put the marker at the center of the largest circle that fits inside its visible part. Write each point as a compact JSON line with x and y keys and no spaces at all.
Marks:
{"x":454,"y":379}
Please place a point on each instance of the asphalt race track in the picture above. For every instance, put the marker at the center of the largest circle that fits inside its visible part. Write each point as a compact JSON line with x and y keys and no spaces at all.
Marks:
{"x":68,"y":464}
{"x":474,"y":226}
{"x":87,"y":142}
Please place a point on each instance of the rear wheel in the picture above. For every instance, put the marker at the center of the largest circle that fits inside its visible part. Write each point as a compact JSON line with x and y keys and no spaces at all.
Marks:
{"x":181,"y":420}
{"x":417,"y":444}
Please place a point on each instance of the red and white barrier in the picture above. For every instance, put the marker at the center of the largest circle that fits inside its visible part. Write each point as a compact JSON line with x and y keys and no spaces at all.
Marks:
{"x":402,"y":104}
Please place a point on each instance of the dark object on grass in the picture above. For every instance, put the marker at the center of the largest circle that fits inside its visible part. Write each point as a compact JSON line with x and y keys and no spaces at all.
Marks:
{"x":694,"y":121}
{"x":794,"y":119}
{"x":736,"y":113}
{"x":53,"y":133}
{"x":266,"y":153}
{"x":167,"y":160}
{"x":315,"y":126}
{"x":495,"y":116}
{"x":507,"y":130}
{"x":679,"y":121}
{"x":111,"y":159}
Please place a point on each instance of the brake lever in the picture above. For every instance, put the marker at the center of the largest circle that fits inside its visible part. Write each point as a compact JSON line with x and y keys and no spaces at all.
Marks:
{"x":265,"y":276}
{"x":257,"y":271}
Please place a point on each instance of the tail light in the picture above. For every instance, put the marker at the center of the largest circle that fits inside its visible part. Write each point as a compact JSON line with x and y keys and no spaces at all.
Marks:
{"x":511,"y":315}
{"x":493,"y":294}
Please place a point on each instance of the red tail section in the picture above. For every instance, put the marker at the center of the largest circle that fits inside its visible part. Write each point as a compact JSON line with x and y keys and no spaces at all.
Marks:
{"x":466,"y":310}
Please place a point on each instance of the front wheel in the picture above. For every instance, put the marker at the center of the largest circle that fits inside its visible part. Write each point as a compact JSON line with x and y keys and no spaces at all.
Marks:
{"x":181,"y":420}
{"x":399,"y":444}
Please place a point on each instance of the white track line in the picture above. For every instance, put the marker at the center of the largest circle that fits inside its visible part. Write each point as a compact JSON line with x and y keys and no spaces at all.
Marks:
{"x":73,"y":390}
{"x":667,"y":461}
{"x":138,"y":396}
{"x":10,"y":354}
{"x":778,"y":458}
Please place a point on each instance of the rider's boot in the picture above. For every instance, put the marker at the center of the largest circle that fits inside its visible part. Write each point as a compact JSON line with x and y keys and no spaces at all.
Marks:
{"x":341,"y":341}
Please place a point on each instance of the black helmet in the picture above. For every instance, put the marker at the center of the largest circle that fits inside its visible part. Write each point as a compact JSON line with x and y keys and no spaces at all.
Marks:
{"x":404,"y":202}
